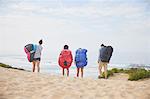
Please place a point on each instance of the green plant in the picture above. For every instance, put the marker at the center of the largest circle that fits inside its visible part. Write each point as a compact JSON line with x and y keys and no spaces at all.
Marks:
{"x":134,"y":73}
{"x":138,"y":74}
{"x":4,"y":65}
{"x":7,"y":66}
{"x":115,"y":70}
{"x":109,"y":73}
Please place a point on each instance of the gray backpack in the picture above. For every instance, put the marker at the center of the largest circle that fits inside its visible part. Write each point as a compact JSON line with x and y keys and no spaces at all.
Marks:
{"x":106,"y":54}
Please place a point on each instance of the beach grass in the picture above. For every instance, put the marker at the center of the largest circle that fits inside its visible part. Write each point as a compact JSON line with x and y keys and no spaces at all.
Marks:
{"x":138,"y":74}
{"x":134,"y":73}
{"x":8,"y":66}
{"x":109,"y":73}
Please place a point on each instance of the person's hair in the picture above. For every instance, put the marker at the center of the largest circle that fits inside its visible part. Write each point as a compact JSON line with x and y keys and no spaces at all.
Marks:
{"x":40,"y":42}
{"x":66,"y":47}
{"x":102,"y":45}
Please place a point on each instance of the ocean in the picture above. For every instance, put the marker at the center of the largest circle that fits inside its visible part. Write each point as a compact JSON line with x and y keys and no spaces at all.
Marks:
{"x":50,"y":66}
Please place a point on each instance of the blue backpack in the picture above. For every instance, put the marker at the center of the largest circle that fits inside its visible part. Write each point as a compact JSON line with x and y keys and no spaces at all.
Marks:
{"x":81,"y":58}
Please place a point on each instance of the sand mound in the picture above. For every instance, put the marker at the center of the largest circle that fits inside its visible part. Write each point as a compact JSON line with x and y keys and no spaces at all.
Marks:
{"x":15,"y":84}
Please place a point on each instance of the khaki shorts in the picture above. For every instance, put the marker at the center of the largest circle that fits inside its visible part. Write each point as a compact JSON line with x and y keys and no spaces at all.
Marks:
{"x":103,"y":64}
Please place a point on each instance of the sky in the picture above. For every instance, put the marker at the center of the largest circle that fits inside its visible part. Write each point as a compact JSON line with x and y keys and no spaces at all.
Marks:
{"x":123,"y":24}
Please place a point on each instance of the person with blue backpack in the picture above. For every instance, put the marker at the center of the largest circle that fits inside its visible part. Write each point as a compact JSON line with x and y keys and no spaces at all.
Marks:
{"x":80,"y":60}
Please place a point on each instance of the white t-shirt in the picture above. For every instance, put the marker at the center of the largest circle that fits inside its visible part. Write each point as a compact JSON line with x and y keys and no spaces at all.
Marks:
{"x":38,"y":51}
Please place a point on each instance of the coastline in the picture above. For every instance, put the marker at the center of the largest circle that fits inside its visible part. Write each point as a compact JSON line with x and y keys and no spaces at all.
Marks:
{"x":50,"y":66}
{"x":16,"y":84}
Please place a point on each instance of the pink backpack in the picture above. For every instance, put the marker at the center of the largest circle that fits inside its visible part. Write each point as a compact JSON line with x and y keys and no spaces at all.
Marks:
{"x":30,"y":51}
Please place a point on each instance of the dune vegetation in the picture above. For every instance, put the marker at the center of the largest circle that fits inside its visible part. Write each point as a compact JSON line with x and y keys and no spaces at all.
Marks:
{"x":134,"y":73}
{"x":8,"y":66}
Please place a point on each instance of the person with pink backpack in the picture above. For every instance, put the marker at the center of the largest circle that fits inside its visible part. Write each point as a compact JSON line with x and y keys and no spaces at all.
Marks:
{"x":34,"y":54}
{"x":65,"y":59}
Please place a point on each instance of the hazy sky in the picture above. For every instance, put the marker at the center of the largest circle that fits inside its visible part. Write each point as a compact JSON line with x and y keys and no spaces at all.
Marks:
{"x":124,"y":24}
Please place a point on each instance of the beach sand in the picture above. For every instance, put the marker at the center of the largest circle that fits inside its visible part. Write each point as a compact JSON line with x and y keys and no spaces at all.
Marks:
{"x":15,"y":84}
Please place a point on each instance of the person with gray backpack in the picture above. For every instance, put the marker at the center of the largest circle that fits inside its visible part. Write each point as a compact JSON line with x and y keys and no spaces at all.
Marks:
{"x":105,"y":54}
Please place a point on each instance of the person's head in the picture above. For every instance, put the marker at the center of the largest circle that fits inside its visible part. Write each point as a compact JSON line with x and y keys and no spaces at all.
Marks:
{"x":40,"y":42}
{"x":66,"y":47}
{"x":102,"y":45}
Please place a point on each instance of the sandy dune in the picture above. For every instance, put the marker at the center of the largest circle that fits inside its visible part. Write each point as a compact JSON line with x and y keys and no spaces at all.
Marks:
{"x":15,"y":84}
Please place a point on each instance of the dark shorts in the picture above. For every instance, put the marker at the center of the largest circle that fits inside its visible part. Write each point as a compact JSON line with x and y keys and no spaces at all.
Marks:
{"x":37,"y":59}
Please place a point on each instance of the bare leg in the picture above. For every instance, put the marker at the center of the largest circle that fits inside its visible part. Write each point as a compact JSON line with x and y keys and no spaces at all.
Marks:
{"x":100,"y":69}
{"x":67,"y":71}
{"x":82,"y":72}
{"x":78,"y":72}
{"x":33,"y":66}
{"x":63,"y":71}
{"x":38,"y":65}
{"x":105,"y":70}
